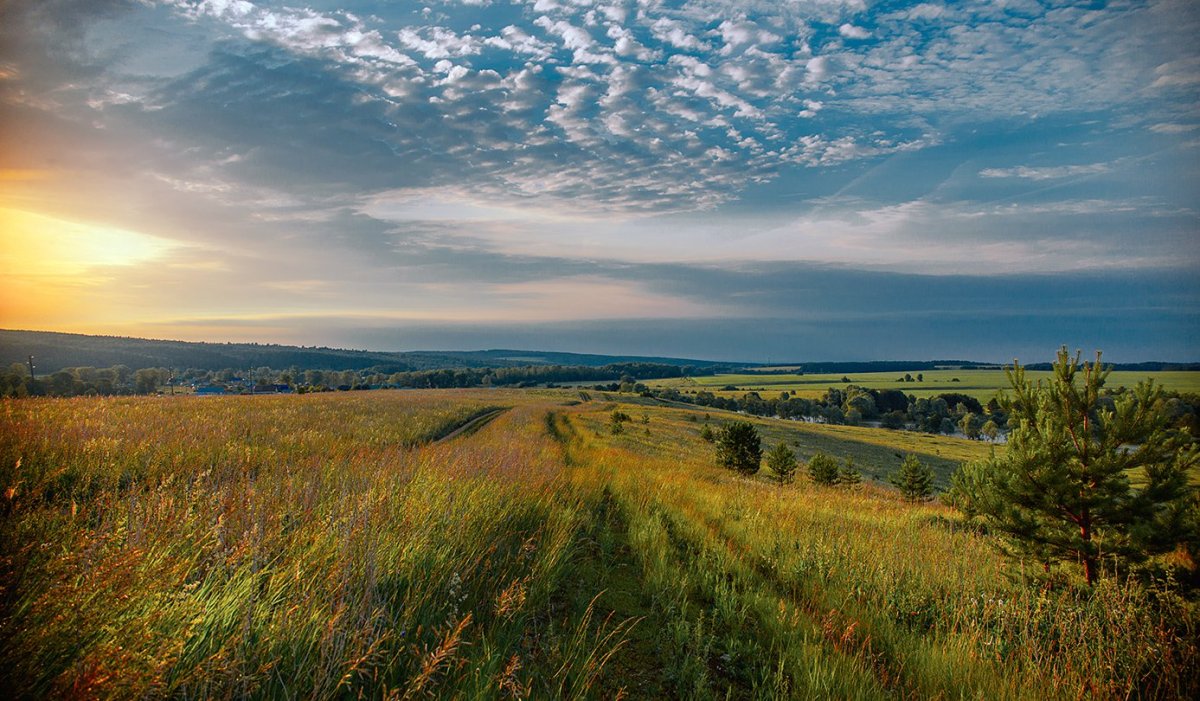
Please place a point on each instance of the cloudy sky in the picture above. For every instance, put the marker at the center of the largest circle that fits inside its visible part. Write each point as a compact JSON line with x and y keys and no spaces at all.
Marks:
{"x":732,"y":179}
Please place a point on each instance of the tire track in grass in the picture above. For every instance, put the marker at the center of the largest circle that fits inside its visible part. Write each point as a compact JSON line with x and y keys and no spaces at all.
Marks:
{"x":708,"y":630}
{"x":847,"y":629}
{"x":471,"y":425}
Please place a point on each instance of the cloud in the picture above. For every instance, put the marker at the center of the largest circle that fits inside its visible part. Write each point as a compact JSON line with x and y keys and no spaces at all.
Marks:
{"x":732,"y":87}
{"x":1177,"y":74}
{"x":673,"y":32}
{"x":852,"y":32}
{"x":819,"y":68}
{"x":703,"y":132}
{"x":438,"y":42}
{"x":1046,"y":172}
{"x":1169,"y":128}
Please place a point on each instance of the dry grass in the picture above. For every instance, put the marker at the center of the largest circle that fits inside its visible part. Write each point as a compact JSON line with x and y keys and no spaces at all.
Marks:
{"x":321,"y":546}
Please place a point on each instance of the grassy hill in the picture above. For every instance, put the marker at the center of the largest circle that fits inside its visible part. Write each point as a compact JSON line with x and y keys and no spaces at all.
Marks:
{"x":347,"y":544}
{"x":54,"y":351}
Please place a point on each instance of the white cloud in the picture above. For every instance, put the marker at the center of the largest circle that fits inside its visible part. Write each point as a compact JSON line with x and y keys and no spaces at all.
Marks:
{"x":671,"y":84}
{"x":672,"y":32}
{"x":739,"y":33}
{"x":852,"y":32}
{"x":625,"y":44}
{"x":811,"y":107}
{"x":1172,"y":128}
{"x":515,"y":39}
{"x":1046,"y":172}
{"x":926,"y":11}
{"x":438,"y":42}
{"x":819,"y":68}
{"x":1181,"y":73}
{"x":577,"y":39}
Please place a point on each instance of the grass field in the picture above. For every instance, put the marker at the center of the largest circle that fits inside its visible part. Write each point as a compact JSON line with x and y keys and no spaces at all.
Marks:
{"x":981,"y":384}
{"x":353,"y":544}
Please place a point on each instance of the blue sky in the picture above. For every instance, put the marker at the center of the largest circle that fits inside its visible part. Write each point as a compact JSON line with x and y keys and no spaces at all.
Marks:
{"x":799,"y":180}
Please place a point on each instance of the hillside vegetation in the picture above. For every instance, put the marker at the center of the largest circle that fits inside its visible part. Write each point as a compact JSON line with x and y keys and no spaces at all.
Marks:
{"x":354,"y":544}
{"x":56,"y":351}
{"x":982,"y":384}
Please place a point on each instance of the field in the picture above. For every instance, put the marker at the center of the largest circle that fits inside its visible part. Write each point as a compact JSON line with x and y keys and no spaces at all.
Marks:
{"x":981,"y":384}
{"x":364,"y":544}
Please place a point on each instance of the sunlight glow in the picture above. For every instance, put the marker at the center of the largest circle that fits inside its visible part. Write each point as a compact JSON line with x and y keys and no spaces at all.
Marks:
{"x":47,"y":266}
{"x":37,"y":245}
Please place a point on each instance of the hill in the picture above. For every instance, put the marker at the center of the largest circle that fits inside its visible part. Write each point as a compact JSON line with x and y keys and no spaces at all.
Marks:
{"x":54,"y":351}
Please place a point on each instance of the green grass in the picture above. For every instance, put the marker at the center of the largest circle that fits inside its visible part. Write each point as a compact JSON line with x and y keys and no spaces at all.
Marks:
{"x":981,"y":384}
{"x":325,"y":545}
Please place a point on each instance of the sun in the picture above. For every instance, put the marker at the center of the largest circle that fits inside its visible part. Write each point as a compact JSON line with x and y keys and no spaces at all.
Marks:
{"x":39,"y":245}
{"x":48,"y":266}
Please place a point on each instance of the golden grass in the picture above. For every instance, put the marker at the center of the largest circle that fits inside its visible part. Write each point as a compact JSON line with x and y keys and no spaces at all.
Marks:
{"x":323,"y":546}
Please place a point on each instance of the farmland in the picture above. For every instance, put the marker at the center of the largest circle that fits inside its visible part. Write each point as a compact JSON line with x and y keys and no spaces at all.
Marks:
{"x":346,"y":544}
{"x":981,"y":384}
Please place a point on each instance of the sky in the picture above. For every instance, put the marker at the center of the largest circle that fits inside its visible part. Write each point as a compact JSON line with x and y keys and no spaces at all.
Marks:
{"x":751,"y":180}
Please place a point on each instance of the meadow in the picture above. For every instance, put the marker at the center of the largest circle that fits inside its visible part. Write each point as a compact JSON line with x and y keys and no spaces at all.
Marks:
{"x":355,"y":544}
{"x":980,"y":384}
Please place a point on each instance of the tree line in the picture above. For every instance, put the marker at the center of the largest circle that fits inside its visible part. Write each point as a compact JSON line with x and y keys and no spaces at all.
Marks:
{"x":17,"y":381}
{"x":946,"y":413}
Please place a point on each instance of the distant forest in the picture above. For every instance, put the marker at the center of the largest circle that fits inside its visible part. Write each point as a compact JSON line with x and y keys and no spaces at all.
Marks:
{"x":73,"y":365}
{"x":121,"y":379}
{"x":57,"y":351}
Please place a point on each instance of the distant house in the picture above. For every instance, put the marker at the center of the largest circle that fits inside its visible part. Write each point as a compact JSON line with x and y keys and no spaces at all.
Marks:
{"x":209,"y":390}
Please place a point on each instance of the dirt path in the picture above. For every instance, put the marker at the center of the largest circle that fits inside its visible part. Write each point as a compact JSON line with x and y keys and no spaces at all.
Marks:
{"x":473,"y":425}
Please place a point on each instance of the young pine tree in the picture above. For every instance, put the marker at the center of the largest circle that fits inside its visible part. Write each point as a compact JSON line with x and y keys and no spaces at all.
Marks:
{"x":849,"y":477}
{"x":1086,"y":473}
{"x":823,"y":469}
{"x":782,"y":462}
{"x":913,"y":479}
{"x":739,"y":447}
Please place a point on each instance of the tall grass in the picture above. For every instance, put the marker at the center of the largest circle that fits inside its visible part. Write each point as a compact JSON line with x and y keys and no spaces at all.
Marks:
{"x":328,"y":546}
{"x":906,"y":598}
{"x":299,"y":546}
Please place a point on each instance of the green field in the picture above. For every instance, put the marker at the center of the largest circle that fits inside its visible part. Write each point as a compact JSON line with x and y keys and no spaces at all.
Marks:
{"x":981,"y":384}
{"x":348,"y":545}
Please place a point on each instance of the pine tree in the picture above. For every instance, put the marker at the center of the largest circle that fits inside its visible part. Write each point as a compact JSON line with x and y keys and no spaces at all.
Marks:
{"x":849,"y":476}
{"x":739,"y":447}
{"x":1065,"y":486}
{"x":782,"y":462}
{"x":823,"y":469}
{"x":913,"y":479}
